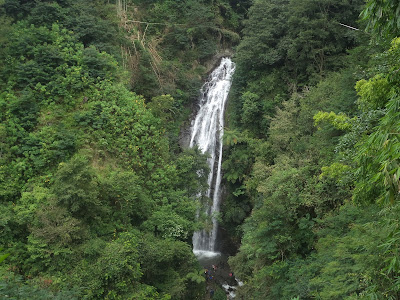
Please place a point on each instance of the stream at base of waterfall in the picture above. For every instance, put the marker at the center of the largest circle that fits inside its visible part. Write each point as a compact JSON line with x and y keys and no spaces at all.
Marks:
{"x":206,"y":133}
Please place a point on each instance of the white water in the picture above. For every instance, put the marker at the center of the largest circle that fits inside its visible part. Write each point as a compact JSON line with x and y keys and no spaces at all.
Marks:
{"x":230,"y":290}
{"x":207,"y":132}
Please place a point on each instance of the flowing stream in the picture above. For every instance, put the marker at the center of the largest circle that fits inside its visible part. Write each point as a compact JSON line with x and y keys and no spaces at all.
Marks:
{"x":207,"y":131}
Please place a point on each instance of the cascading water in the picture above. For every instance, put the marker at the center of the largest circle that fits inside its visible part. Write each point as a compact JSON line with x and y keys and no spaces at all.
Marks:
{"x":207,"y":132}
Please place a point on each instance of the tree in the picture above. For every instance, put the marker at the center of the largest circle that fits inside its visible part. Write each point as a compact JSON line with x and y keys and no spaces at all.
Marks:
{"x":76,"y":188}
{"x":377,"y":155}
{"x":382,"y":17}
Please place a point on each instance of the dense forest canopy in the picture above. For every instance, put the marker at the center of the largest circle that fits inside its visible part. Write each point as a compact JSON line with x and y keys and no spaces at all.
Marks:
{"x":98,"y":195}
{"x":323,"y":182}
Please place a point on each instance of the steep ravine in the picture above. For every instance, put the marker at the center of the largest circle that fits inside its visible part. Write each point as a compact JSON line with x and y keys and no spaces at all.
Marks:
{"x":206,"y":132}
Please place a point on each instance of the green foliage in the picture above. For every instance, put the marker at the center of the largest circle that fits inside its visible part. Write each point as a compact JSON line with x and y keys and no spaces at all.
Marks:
{"x":237,"y":164}
{"x":373,"y":92}
{"x":341,"y":267}
{"x":377,"y":155}
{"x":94,"y":204}
{"x":174,"y":40}
{"x":303,"y":238}
{"x":92,"y":22}
{"x":339,"y":121}
{"x":219,"y":294}
{"x":54,"y":225}
{"x":3,"y":256}
{"x":118,"y":268}
{"x":280,"y":55}
{"x":14,"y":287}
{"x":130,"y":203}
{"x":163,"y":107}
{"x":85,"y":167}
{"x":166,"y":264}
{"x":382,"y":17}
{"x":231,"y":137}
{"x":378,"y":158}
{"x":290,"y":196}
{"x":168,"y":224}
{"x":301,"y":32}
{"x":75,"y":187}
{"x":251,"y":108}
{"x":192,"y":172}
{"x":335,"y":171}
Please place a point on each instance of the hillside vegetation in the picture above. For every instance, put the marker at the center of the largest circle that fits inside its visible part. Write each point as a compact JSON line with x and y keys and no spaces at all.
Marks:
{"x":314,"y":166}
{"x":97,"y":198}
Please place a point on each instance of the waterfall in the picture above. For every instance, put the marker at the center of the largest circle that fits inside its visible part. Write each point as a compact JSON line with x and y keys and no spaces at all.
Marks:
{"x":207,"y":131}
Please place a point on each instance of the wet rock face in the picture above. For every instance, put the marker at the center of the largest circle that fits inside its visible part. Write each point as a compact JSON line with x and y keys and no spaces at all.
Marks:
{"x":184,"y":136}
{"x":215,"y":61}
{"x":226,"y":244}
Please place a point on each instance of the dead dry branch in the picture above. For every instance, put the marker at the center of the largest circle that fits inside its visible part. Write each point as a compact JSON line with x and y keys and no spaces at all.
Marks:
{"x":136,"y":34}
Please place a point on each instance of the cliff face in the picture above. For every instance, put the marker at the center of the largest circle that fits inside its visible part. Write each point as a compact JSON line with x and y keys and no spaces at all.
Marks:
{"x":216,"y":59}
